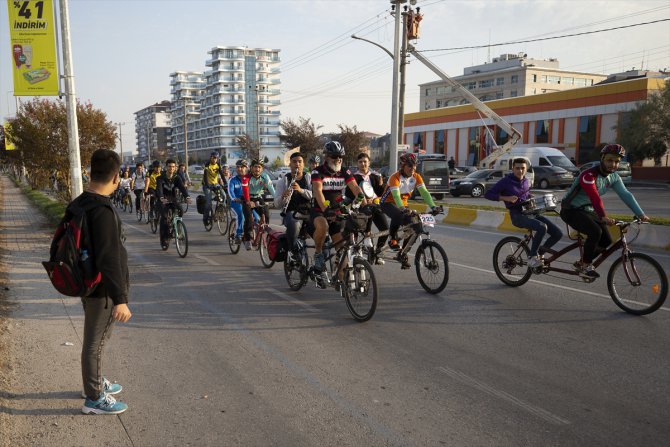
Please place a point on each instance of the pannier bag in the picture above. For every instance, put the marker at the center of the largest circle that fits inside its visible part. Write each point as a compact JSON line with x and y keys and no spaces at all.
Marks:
{"x":200,"y":204}
{"x":277,"y":245}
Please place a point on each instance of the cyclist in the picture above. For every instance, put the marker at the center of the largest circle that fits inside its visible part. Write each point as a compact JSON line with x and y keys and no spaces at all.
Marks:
{"x":238,"y":191}
{"x":181,"y":172}
{"x":259,"y":181}
{"x":138,"y":183}
{"x":582,"y":207}
{"x":294,"y":193}
{"x":150,"y":187}
{"x":211,"y":179}
{"x":314,"y":162}
{"x":364,"y":174}
{"x":124,"y":186}
{"x":394,"y":199}
{"x":328,"y":184}
{"x":166,"y":187}
{"x":514,"y":189}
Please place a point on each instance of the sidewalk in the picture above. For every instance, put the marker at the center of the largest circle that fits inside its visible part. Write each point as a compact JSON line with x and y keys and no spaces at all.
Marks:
{"x":40,"y":390}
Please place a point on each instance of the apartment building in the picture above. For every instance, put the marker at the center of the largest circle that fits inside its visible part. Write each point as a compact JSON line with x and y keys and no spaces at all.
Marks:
{"x":152,"y":131}
{"x":508,"y":76}
{"x":237,"y":95}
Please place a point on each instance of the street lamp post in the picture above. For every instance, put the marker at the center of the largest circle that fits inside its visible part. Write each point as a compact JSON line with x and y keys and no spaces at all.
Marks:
{"x":120,"y":141}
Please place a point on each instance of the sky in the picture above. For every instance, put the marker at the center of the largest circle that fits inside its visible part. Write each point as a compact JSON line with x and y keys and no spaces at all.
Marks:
{"x":124,"y":50}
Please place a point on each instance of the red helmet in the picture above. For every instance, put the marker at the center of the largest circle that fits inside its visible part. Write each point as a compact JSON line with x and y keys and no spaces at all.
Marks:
{"x":615,"y":149}
{"x":408,"y":159}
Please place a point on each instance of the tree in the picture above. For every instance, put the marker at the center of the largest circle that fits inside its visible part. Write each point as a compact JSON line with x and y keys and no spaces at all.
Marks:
{"x":353,"y":141}
{"x":302,"y":133}
{"x":646,"y":133}
{"x":250,"y":147}
{"x":39,"y":132}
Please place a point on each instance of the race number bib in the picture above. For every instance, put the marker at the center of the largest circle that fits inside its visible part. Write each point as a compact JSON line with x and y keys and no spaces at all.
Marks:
{"x":428,"y":220}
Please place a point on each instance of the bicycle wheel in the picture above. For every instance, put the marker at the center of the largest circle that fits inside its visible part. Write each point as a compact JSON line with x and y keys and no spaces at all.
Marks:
{"x":209,"y":223}
{"x":181,"y":238}
{"x":220,"y":218}
{"x":232,"y":230}
{"x":263,"y":250}
{"x":509,"y":261}
{"x":360,"y":290}
{"x":295,"y":269}
{"x":146,"y":211}
{"x":432,"y":267}
{"x":140,"y":213}
{"x":153,"y":220}
{"x":638,"y":284}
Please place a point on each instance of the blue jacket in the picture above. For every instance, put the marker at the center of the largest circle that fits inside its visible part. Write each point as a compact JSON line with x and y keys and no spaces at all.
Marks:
{"x":510,"y":186}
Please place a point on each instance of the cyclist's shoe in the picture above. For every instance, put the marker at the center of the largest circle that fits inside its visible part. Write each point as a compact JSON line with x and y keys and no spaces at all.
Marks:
{"x":164,"y":245}
{"x":404,"y":261}
{"x":238,"y":240}
{"x":379,"y":260}
{"x":534,"y":261}
{"x":247,"y":245}
{"x":107,"y":388}
{"x":105,"y":405}
{"x":320,"y":274}
{"x":393,"y":245}
{"x":586,"y":270}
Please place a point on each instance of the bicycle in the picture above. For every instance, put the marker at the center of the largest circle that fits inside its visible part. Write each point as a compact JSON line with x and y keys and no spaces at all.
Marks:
{"x":177,"y":230}
{"x":181,"y":200}
{"x":126,"y":201}
{"x":146,"y":203}
{"x":217,"y":213}
{"x":259,"y":236}
{"x":430,"y":261}
{"x":348,"y":270}
{"x":630,"y":278}
{"x":234,"y":242}
{"x":153,"y":215}
{"x":141,"y":206}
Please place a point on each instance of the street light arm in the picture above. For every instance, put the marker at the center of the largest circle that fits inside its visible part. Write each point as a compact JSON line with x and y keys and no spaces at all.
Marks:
{"x":353,"y":36}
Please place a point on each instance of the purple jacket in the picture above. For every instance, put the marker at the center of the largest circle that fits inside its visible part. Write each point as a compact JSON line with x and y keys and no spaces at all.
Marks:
{"x":510,"y":186}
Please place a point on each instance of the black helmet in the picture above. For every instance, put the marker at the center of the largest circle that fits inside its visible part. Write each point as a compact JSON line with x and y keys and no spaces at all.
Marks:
{"x":615,"y":149}
{"x":156,"y":164}
{"x":215,"y":154}
{"x":242,"y":162}
{"x":255,"y":162}
{"x":315,"y":159}
{"x":333,"y":148}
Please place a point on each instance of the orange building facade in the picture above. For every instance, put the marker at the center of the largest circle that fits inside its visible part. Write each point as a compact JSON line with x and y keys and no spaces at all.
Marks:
{"x":575,"y":121}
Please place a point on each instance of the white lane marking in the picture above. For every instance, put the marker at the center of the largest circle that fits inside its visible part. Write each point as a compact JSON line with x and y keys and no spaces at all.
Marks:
{"x":290,"y":299}
{"x":481,"y":386}
{"x":558,"y":286}
{"x":136,"y":228}
{"x":207,"y":260}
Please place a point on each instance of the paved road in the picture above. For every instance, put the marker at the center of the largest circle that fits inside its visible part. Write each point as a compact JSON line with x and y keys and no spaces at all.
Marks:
{"x":219,"y":352}
{"x":653,"y":200}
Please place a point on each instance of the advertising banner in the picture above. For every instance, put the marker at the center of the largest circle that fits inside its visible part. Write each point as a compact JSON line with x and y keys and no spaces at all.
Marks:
{"x":32,"y":32}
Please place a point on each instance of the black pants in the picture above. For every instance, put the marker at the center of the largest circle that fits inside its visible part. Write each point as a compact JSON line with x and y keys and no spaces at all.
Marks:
{"x":382,"y":223}
{"x":597,"y":235}
{"x":166,"y":210}
{"x":98,"y":324}
{"x":138,"y":199}
{"x":398,"y":218}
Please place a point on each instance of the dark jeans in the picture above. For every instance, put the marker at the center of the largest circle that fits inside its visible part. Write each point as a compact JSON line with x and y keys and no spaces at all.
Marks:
{"x":597,"y":235}
{"x":541,"y":226}
{"x":292,"y":228}
{"x":98,"y":324}
{"x":398,"y":218}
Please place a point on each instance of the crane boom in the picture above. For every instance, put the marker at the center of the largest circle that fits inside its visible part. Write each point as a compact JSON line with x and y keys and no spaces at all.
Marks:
{"x":514,"y":134}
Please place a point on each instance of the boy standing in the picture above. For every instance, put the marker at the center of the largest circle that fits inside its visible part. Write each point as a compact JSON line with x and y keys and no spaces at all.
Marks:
{"x":111,"y":260}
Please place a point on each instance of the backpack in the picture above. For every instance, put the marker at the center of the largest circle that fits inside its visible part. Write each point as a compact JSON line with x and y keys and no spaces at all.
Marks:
{"x":71,"y":264}
{"x":277,"y":245}
{"x":200,"y":204}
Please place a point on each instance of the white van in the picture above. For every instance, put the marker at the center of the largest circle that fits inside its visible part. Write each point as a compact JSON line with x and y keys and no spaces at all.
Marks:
{"x":538,"y":156}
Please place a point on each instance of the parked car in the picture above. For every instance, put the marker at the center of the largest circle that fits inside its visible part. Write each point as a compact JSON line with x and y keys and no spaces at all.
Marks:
{"x":624,"y":170}
{"x":551,"y":176}
{"x":474,"y":184}
{"x":467,"y":169}
{"x":196,"y":169}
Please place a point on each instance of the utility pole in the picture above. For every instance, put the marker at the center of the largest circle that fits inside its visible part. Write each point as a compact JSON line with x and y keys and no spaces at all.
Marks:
{"x":149,"y":143}
{"x":185,"y":136}
{"x":120,"y":141}
{"x":70,"y":103}
{"x":403,"y":65}
{"x":395,"y":111}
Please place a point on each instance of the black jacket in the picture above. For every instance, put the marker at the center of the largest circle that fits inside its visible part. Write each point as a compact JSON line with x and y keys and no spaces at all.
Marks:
{"x":111,"y":259}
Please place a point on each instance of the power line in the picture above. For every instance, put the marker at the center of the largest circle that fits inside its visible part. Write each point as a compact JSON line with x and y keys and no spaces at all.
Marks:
{"x":545,"y":38}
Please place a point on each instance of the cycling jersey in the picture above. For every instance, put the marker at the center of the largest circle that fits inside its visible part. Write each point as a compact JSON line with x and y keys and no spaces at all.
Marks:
{"x":590,"y":185}
{"x":404,"y":186}
{"x":333,"y":184}
{"x":258,"y":185}
{"x":139,"y":180}
{"x":238,"y":188}
{"x":211,"y":175}
{"x":152,"y":180}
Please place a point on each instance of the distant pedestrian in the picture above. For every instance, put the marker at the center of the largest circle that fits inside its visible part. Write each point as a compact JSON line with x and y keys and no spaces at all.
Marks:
{"x":451,"y":163}
{"x":573,"y":161}
{"x":111,"y":260}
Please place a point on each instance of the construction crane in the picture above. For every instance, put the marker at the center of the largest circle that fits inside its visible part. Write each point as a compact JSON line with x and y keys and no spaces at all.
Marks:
{"x":514,"y":134}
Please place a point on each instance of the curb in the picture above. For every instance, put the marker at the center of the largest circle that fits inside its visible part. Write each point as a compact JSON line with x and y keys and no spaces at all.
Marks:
{"x":652,"y":236}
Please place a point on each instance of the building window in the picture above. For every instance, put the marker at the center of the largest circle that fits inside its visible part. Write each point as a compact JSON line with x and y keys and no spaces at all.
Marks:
{"x":589,"y":82}
{"x":567,"y":80}
{"x":439,"y":141}
{"x":426,"y":106}
{"x":534,"y":78}
{"x":513,"y":94}
{"x":486,"y":97}
{"x":500,"y":81}
{"x":515,"y":79}
{"x":499,"y":95}
{"x":580,"y":82}
{"x":418,"y":141}
{"x":471,"y":85}
{"x":438,"y":103}
{"x":486,"y":83}
{"x":587,"y":138}
{"x":427,"y":92}
{"x":441,"y":90}
{"x":542,"y":131}
{"x":473,"y":146}
{"x":553,"y":79}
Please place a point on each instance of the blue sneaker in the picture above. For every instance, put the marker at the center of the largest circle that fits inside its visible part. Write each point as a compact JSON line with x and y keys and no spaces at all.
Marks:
{"x":107,"y":388}
{"x":105,"y":405}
